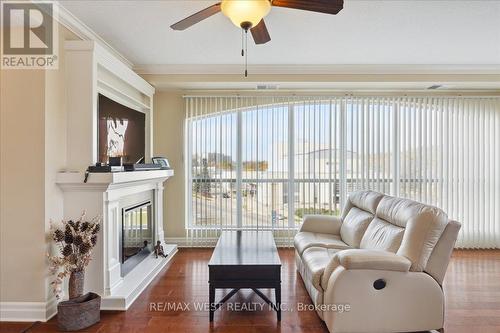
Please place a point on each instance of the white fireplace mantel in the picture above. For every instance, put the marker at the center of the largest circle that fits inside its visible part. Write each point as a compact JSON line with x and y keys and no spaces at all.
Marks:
{"x":101,"y":195}
{"x":110,"y":179}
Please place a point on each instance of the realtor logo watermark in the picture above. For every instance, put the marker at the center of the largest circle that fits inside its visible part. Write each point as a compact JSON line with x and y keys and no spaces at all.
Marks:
{"x":29,"y":35}
{"x":246,"y":306}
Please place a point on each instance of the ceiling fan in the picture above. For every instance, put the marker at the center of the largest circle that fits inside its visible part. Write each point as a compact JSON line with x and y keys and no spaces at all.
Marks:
{"x":249,"y":14}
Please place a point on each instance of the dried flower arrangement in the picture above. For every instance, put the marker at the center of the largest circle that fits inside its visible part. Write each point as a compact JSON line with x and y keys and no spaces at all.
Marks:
{"x":75,"y":240}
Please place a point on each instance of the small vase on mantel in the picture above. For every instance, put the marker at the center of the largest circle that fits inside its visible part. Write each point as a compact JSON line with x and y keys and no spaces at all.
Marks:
{"x":76,"y":282}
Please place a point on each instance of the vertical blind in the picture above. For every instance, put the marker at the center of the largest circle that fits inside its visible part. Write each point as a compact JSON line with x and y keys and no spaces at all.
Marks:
{"x":262,"y":163}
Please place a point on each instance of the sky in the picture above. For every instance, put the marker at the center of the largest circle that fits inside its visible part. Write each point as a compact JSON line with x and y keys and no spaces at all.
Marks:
{"x":265,"y":130}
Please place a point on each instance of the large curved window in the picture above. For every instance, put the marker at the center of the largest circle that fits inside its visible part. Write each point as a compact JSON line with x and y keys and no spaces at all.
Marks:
{"x":264,"y":163}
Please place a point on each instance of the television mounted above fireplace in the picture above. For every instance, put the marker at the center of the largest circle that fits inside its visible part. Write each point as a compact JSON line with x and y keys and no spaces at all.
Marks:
{"x":121,"y":132}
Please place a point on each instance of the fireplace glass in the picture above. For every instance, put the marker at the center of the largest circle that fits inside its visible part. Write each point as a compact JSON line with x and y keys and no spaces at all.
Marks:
{"x":137,"y":235}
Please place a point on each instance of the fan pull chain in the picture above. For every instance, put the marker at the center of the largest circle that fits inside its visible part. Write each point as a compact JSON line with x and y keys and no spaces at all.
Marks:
{"x":246,"y":53}
{"x":244,"y":48}
{"x":242,"y":43}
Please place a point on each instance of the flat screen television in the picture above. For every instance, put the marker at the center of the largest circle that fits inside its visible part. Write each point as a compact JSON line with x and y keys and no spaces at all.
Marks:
{"x":122,"y":131}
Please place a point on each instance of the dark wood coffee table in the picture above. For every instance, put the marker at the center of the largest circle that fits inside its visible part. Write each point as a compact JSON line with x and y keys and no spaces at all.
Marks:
{"x":245,"y":260}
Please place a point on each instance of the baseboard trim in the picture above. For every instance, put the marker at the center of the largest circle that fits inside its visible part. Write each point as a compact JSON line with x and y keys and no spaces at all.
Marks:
{"x":28,"y":311}
{"x":186,"y":242}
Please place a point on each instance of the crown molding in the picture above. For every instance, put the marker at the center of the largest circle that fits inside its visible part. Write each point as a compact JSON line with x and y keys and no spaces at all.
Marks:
{"x":280,"y":69}
{"x":82,"y":31}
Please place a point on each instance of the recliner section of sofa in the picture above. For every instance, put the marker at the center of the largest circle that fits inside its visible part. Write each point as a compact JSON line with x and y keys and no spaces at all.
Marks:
{"x":404,"y":243}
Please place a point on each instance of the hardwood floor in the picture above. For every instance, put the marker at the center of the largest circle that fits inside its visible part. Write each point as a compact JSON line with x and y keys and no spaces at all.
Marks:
{"x":472,"y":290}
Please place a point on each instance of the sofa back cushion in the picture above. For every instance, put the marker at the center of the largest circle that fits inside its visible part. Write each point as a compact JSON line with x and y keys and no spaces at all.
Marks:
{"x":364,"y":200}
{"x":358,"y":213}
{"x":382,"y":235}
{"x":354,"y":226}
{"x":372,"y":220}
{"x":422,"y":224}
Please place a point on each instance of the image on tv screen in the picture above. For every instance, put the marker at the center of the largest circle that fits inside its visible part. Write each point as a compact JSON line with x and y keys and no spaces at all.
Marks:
{"x":121,"y":131}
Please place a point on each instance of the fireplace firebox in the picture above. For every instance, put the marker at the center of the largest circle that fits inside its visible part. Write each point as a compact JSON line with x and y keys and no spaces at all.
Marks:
{"x":137,"y":235}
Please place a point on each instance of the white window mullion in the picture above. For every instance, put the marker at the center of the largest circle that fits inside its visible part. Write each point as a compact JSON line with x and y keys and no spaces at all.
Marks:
{"x":303,"y":151}
{"x":377,"y":152}
{"x":361,"y":176}
{"x":188,"y":156}
{"x":482,"y":169}
{"x":308,"y":163}
{"x":442,"y":152}
{"x":331,"y":150}
{"x":478,"y":171}
{"x":258,"y":184}
{"x":423,"y":150}
{"x":276,"y":164}
{"x":225,"y":173}
{"x":199,"y":200}
{"x":198,"y":176}
{"x":343,"y":151}
{"x":447,"y":155}
{"x":313,"y":154}
{"x":220,"y":144}
{"x":396,"y":147}
{"x":434,"y":155}
{"x":490,"y":171}
{"x":369,"y":143}
{"x":205,"y":152}
{"x":496,"y":179}
{"x":291,"y":166}
{"x":418,"y":149}
{"x":239,"y":183}
{"x":335,"y":133}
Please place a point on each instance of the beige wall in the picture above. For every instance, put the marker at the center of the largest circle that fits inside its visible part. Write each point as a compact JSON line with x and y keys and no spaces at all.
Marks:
{"x":32,"y":141}
{"x":22,"y":179}
{"x":168,"y":141}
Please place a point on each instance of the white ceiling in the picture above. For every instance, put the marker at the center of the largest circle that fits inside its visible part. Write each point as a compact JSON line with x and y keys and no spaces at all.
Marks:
{"x":364,"y":32}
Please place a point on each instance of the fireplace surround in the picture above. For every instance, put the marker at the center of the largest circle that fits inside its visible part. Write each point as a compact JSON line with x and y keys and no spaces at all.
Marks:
{"x":91,"y":70}
{"x":113,"y":196}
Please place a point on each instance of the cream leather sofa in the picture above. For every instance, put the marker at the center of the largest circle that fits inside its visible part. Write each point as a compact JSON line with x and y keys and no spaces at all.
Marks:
{"x":379,"y":267}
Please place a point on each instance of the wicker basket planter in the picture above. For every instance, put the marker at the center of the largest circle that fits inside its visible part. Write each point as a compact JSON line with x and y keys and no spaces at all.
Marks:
{"x":79,"y":313}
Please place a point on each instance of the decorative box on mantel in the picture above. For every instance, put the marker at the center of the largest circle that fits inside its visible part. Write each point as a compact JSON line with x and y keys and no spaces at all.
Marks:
{"x":114,"y":196}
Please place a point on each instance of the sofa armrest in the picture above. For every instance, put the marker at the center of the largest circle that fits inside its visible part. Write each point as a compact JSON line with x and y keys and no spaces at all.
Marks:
{"x":410,"y":301}
{"x":365,"y":259}
{"x":373,"y":259}
{"x":324,"y":224}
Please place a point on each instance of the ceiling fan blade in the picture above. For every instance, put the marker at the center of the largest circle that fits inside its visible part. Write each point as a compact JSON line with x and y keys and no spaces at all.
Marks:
{"x":260,"y":34}
{"x":196,"y":17}
{"x":321,"y":6}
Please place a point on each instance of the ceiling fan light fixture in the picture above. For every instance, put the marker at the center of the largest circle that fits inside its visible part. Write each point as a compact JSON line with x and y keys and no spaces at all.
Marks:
{"x":245,"y":13}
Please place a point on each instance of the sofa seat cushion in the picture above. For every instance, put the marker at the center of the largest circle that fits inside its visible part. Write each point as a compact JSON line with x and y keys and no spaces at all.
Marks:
{"x":305,"y":239}
{"x":315,"y":294}
{"x":315,"y":260}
